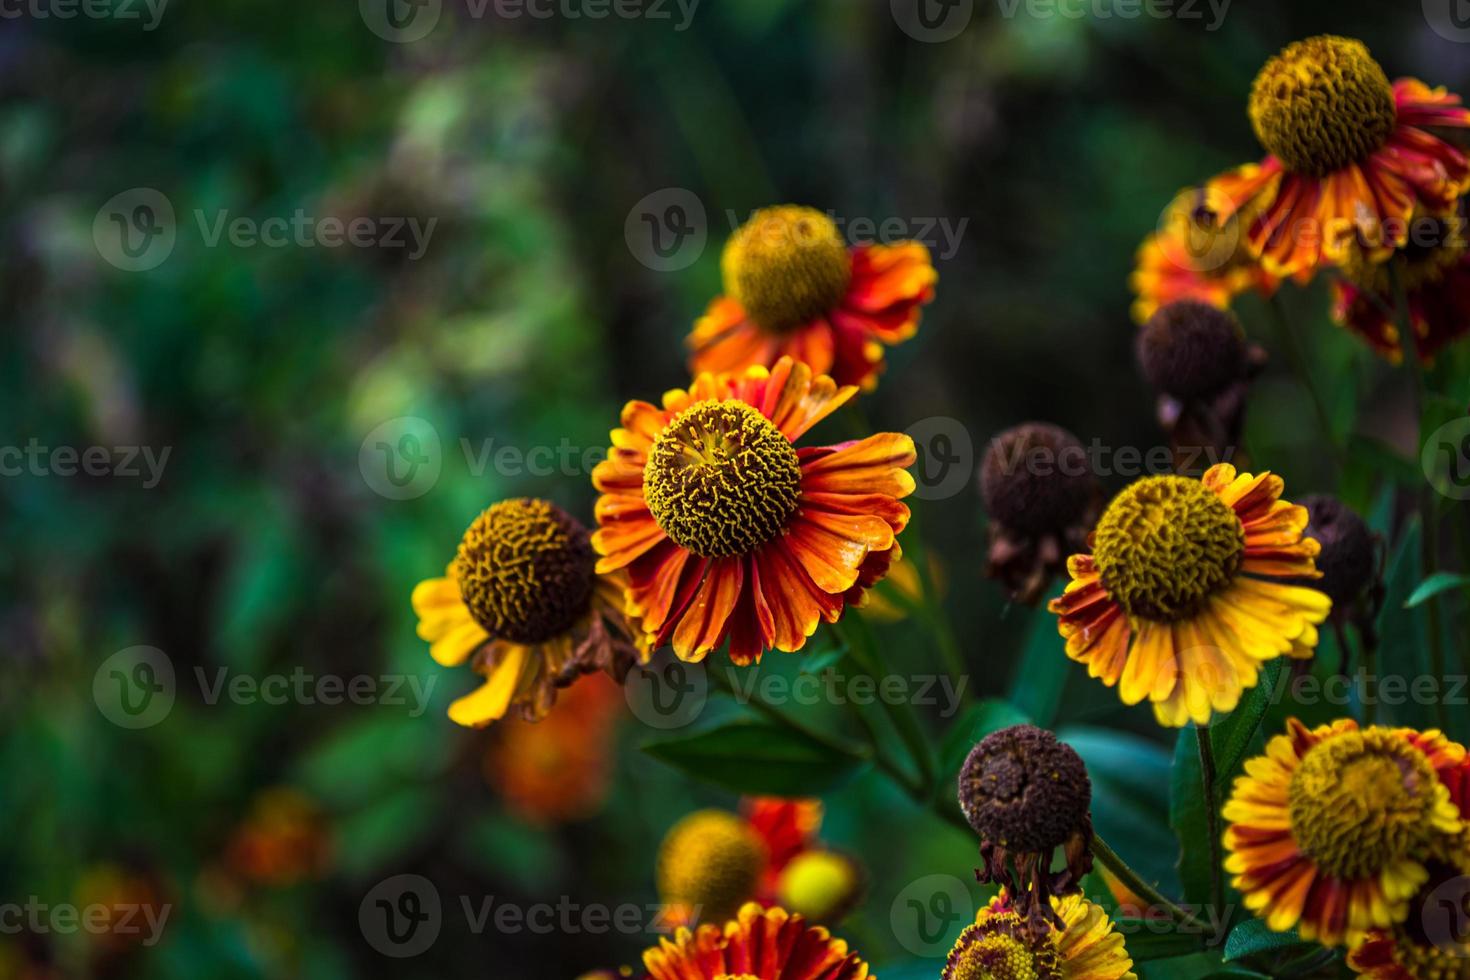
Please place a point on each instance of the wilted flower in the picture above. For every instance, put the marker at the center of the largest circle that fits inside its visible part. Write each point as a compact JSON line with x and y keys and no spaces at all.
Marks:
{"x":1334,"y":829}
{"x":1350,"y":562}
{"x":523,"y":600}
{"x":794,"y":288}
{"x":1027,"y":794}
{"x":758,"y":944}
{"x":727,"y":531}
{"x":1350,"y":157}
{"x":1041,"y":496}
{"x":1080,"y":943}
{"x":1177,"y":604}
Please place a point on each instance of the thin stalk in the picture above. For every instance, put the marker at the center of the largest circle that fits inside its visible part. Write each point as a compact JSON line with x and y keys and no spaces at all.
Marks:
{"x":1130,"y":879}
{"x":1208,"y":777}
{"x":862,"y":646}
{"x":1291,"y":343}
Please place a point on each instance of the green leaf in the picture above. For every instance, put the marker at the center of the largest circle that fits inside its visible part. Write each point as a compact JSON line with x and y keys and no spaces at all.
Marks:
{"x":1235,"y":735}
{"x":1188,"y":817}
{"x":1404,"y":648}
{"x":1151,"y":939}
{"x":1434,"y":585}
{"x":754,"y":757}
{"x":1041,"y":674}
{"x":977,"y":721}
{"x":1253,"y":938}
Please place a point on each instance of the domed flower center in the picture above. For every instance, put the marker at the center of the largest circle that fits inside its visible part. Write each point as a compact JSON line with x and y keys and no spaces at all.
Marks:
{"x":1000,"y":949}
{"x":1361,"y":801}
{"x":817,"y":884}
{"x":525,"y":570}
{"x":1165,"y":544}
{"x":1321,"y":104}
{"x":721,"y":479}
{"x":710,"y":863}
{"x":786,"y":265}
{"x":1024,"y":790}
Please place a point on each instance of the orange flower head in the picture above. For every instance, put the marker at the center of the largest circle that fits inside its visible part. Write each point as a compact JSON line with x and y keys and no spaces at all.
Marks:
{"x":727,"y":531}
{"x":758,"y":944}
{"x":1334,"y":829}
{"x":522,"y":601}
{"x":1182,"y":598}
{"x":793,"y":288}
{"x":1351,"y":157}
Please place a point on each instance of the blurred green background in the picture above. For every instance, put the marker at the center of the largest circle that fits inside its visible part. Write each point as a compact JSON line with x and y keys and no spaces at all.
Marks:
{"x":1047,"y":146}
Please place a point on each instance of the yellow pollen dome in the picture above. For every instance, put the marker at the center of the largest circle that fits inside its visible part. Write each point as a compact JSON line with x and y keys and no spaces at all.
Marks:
{"x":1362,"y":801}
{"x":710,"y":863}
{"x":786,"y":265}
{"x":818,"y":885}
{"x":1322,"y":104}
{"x":721,"y":479}
{"x":1003,"y":954}
{"x":1165,"y":544}
{"x":525,"y":570}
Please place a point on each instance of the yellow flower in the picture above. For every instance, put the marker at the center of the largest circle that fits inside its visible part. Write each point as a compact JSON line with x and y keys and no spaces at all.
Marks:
{"x":1177,"y":605}
{"x":523,"y":600}
{"x":1334,"y":829}
{"x":1002,"y":945}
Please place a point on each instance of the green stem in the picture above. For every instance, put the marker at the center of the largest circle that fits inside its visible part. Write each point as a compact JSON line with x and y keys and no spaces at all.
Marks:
{"x":839,"y":746}
{"x":1129,"y":879}
{"x":1208,"y":776}
{"x":1291,"y":343}
{"x":862,"y":646}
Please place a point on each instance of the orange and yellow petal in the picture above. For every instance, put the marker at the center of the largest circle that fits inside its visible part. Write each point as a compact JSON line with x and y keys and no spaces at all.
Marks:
{"x":764,"y":944}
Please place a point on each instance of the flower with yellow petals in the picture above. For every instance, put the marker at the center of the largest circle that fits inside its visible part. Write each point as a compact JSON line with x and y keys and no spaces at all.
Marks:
{"x":1334,"y":829}
{"x":521,"y":601}
{"x":1351,"y":156}
{"x":1002,"y":945}
{"x":1430,"y":944}
{"x":1181,"y":600}
{"x":794,"y":288}
{"x":758,"y":944}
{"x":727,"y":531}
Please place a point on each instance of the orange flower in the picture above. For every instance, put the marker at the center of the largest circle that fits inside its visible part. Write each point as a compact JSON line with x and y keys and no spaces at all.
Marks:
{"x":794,"y":288}
{"x":1350,"y":157}
{"x":284,"y":840}
{"x":1196,"y":254}
{"x":560,"y":769}
{"x":759,"y":944}
{"x":727,"y":531}
{"x":1335,"y":829}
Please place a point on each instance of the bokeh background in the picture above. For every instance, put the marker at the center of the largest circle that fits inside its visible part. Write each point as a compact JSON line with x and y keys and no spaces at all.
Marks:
{"x":1033,"y":151}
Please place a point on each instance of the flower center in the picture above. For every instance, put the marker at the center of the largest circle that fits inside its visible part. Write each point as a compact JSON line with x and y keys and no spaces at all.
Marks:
{"x":1024,"y":790}
{"x":786,"y":265}
{"x":711,"y":863}
{"x":1000,"y":949}
{"x":1165,"y":544}
{"x":525,"y":570}
{"x":1361,"y":801}
{"x":1435,"y":245}
{"x":1321,"y":104}
{"x":721,"y":479}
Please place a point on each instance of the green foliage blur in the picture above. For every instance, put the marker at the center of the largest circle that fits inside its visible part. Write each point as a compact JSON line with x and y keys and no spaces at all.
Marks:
{"x":1035,"y":152}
